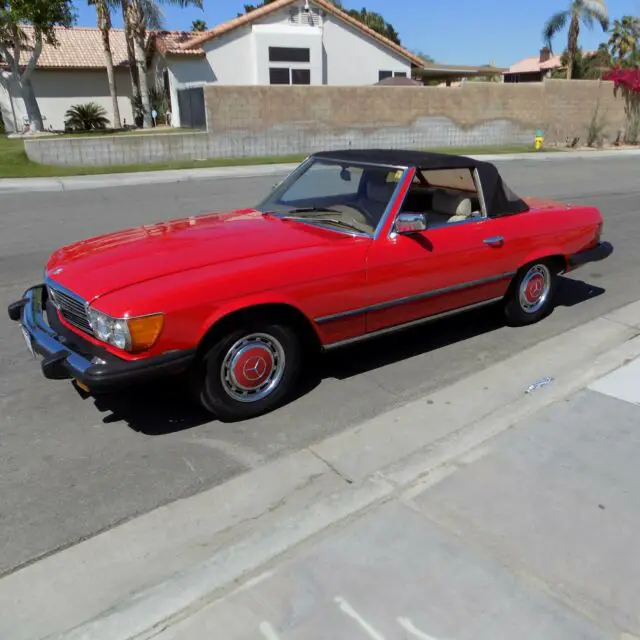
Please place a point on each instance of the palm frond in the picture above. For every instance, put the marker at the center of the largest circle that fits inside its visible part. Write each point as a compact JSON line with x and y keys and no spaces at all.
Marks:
{"x":199,"y":4}
{"x":592,"y":11}
{"x":153,"y":16}
{"x":85,"y":117}
{"x":556,"y":23}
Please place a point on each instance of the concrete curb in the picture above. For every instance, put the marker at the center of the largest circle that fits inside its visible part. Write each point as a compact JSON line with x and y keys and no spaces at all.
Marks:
{"x":417,"y":443}
{"x":75,"y":183}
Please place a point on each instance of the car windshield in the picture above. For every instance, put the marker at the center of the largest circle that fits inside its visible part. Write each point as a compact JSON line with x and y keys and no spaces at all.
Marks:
{"x":346,"y":196}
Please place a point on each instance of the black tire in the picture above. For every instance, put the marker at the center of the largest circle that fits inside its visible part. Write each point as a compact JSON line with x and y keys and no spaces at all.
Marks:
{"x":524,"y":303}
{"x":228,"y":369}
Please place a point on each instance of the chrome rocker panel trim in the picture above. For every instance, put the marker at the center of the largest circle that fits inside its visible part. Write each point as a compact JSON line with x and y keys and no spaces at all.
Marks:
{"x":412,"y":323}
{"x":415,"y":298}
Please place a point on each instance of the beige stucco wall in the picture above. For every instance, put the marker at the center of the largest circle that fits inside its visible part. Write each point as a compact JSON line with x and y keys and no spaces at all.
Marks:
{"x":276,"y":121}
{"x":561,"y":108}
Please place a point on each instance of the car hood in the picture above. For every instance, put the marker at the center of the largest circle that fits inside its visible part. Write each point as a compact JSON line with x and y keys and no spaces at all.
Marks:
{"x":106,"y":263}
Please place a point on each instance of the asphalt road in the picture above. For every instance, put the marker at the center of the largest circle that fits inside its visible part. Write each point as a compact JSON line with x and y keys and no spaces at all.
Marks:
{"x":70,"y":468}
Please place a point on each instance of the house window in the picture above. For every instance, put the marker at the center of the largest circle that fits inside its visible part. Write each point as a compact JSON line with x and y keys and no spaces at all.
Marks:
{"x":300,"y":76}
{"x":390,"y":74}
{"x":279,"y":76}
{"x":284,"y":75}
{"x":289,"y":54}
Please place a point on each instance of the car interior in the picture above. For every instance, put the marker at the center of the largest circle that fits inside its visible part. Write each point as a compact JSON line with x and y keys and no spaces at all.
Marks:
{"x":445,"y":195}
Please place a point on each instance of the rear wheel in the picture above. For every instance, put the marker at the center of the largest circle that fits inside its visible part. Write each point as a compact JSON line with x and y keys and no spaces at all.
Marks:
{"x":249,"y":371}
{"x":531,"y":295}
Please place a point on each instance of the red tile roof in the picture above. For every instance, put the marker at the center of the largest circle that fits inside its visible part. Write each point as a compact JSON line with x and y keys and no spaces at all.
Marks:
{"x":78,"y":48}
{"x":173,"y":43}
{"x":533,"y":64}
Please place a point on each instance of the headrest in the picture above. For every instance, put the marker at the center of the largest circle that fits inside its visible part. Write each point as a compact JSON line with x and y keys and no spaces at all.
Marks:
{"x":456,"y":204}
{"x":380,"y":191}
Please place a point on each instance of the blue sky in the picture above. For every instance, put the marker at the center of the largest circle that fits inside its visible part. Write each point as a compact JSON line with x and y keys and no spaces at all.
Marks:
{"x":453,"y":32}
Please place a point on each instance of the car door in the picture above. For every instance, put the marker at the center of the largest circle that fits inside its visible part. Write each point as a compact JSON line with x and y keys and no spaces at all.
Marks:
{"x":457,"y":265}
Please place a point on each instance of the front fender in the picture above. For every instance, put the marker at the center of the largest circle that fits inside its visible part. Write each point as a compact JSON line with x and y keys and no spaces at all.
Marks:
{"x":240,"y":304}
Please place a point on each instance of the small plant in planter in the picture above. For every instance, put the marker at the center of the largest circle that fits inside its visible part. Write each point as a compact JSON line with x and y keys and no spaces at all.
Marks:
{"x":86,"y":117}
{"x":627,"y":82}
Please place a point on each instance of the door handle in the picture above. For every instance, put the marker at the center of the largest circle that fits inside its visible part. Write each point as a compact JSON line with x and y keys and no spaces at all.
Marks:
{"x":494,"y":241}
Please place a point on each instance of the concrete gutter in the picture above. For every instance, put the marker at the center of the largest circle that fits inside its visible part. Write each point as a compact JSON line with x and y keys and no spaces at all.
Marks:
{"x":75,"y":183}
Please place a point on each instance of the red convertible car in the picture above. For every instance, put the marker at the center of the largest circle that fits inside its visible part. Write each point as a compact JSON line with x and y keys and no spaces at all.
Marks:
{"x":352,"y":244}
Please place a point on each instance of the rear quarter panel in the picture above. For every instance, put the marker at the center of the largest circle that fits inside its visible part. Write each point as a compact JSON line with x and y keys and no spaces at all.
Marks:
{"x":549,"y":229}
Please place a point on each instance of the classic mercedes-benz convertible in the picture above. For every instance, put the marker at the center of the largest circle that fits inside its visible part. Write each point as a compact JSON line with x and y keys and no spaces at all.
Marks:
{"x":350,"y":245}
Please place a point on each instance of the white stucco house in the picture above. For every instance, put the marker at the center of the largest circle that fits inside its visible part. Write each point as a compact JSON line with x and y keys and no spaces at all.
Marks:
{"x":72,"y":73}
{"x":286,"y":42}
{"x":290,"y":42}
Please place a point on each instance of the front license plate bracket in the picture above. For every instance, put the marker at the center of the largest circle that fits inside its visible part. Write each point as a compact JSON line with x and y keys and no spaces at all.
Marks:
{"x":27,"y":339}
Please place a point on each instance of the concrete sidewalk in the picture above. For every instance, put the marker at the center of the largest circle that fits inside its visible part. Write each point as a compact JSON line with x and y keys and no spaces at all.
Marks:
{"x":494,"y":508}
{"x":531,"y":536}
{"x":75,"y":183}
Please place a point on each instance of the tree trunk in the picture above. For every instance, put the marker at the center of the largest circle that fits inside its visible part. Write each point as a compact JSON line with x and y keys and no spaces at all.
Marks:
{"x":31,"y":104}
{"x":104,"y":24}
{"x":141,"y":61}
{"x":117,"y":123}
{"x":572,"y":44}
{"x":131,"y":57}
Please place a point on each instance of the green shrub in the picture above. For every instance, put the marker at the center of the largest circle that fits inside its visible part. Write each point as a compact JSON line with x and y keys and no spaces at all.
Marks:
{"x":86,"y":117}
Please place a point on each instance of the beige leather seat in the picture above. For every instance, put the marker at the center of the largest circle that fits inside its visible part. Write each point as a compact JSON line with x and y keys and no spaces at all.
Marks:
{"x":457,"y":205}
{"x":378,"y":195}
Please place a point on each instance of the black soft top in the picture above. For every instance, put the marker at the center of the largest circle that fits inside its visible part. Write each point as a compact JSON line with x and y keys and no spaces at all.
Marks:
{"x":499,"y":198}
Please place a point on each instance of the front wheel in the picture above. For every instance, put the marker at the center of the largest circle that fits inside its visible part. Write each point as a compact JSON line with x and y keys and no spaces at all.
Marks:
{"x":531,"y":295}
{"x":249,"y":371}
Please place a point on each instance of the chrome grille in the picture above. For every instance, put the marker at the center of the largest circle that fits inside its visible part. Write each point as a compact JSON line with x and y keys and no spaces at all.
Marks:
{"x":71,"y":309}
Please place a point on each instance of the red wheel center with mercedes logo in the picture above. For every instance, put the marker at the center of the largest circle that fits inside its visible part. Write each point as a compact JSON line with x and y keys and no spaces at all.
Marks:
{"x":251,"y":368}
{"x":535,"y":289}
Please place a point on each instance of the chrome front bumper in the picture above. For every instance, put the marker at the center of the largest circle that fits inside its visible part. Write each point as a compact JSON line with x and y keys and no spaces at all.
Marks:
{"x":71,"y":356}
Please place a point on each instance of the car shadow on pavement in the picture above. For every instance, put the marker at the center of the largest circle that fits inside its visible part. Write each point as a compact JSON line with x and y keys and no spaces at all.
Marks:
{"x":153,"y":410}
{"x":572,"y":292}
{"x":165,"y":407}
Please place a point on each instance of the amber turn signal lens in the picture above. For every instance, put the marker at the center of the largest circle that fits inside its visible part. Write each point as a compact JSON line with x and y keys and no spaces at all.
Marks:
{"x":145,"y":331}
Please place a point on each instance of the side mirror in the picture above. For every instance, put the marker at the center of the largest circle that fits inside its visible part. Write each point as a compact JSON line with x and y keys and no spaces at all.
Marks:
{"x":407,"y":223}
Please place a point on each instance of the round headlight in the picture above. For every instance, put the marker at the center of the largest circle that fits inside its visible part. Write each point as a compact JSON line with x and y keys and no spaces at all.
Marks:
{"x":102,"y":327}
{"x":119,"y":334}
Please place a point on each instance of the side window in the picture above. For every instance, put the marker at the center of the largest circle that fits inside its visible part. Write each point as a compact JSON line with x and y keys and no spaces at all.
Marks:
{"x":445,"y":195}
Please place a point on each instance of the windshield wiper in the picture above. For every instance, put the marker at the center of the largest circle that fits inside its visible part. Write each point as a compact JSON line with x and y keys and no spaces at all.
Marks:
{"x":337,"y":223}
{"x":314,"y":210}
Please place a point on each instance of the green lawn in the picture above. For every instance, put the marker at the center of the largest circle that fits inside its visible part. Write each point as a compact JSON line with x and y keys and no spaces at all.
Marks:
{"x":15,"y":164}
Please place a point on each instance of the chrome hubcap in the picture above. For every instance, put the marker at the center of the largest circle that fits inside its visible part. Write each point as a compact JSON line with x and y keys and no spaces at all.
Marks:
{"x":253,"y":367}
{"x":534,"y":288}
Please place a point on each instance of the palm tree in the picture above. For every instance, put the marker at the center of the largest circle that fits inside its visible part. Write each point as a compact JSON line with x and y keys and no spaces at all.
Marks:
{"x":136,"y":100}
{"x":587,"y":12}
{"x":198,"y":25}
{"x":85,"y":117}
{"x":103,"y":14}
{"x":624,"y":40}
{"x":139,"y":17}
